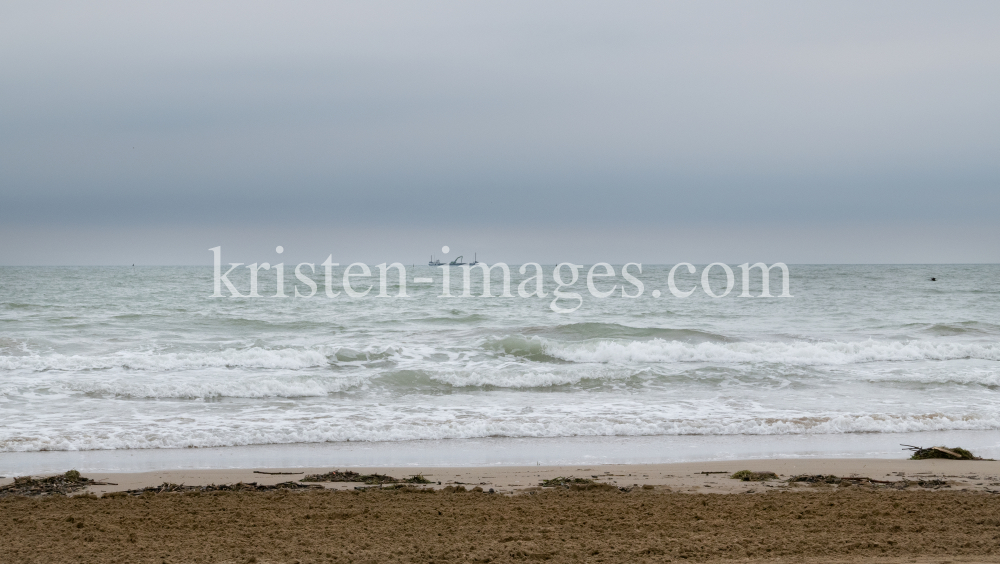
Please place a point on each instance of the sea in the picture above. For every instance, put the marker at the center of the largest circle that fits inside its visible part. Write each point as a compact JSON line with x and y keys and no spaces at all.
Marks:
{"x":139,"y":368}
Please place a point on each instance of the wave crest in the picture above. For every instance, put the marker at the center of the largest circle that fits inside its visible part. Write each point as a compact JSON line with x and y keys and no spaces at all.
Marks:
{"x":254,"y":357}
{"x":249,"y":432}
{"x":793,"y":353}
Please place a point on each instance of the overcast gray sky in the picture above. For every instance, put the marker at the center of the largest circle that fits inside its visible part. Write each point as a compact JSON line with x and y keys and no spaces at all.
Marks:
{"x":650,"y":131}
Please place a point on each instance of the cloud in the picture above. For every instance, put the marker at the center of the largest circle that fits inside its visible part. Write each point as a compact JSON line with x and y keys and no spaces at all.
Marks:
{"x":189,"y":114}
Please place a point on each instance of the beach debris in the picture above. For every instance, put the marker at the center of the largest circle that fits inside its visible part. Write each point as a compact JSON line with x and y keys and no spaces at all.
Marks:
{"x":62,"y":484}
{"x":579,"y":484}
{"x":400,"y":487}
{"x":349,"y":476}
{"x":751,"y":476}
{"x":867,"y":479}
{"x":715,"y":472}
{"x":167,"y":487}
{"x":952,"y":453}
{"x":562,"y":481}
{"x":277,"y":473}
{"x":816,"y":479}
{"x":861,"y":480}
{"x":933,"y":484}
{"x":597,"y":486}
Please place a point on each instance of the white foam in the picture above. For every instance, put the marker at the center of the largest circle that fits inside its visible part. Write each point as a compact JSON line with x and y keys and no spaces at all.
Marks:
{"x":794,"y":353}
{"x":596,"y":351}
{"x":517,"y":375}
{"x":949,"y":375}
{"x":245,"y":431}
{"x":255,"y":357}
{"x":259,"y":387}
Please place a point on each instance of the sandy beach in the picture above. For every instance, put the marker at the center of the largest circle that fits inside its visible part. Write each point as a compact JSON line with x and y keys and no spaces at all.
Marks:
{"x":896,"y":511}
{"x":687,"y":477}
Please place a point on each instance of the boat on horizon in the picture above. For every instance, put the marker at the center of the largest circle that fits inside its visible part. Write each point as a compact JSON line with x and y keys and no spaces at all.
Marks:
{"x":456,"y":262}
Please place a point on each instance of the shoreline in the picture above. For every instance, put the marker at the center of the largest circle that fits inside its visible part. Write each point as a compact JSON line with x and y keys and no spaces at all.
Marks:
{"x":687,"y":477}
{"x":499,"y":451}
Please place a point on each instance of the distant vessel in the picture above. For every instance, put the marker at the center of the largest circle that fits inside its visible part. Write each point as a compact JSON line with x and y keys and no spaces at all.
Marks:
{"x":456,"y":262}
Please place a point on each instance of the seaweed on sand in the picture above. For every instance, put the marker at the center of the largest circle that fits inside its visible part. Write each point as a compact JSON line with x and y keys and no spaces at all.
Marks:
{"x":563,"y":481}
{"x":167,"y":487}
{"x":349,"y":476}
{"x":949,"y":453}
{"x":817,"y":479}
{"x":62,"y":484}
{"x":750,"y":476}
{"x":580,"y":484}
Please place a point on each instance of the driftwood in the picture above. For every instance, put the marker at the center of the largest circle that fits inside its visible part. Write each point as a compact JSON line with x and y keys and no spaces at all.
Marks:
{"x":947,"y":451}
{"x":277,"y":473}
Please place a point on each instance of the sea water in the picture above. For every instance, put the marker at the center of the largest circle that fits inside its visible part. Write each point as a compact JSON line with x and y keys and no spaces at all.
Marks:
{"x":117,"y":359}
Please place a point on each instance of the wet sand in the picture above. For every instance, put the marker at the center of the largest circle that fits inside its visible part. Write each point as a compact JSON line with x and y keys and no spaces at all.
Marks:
{"x":677,"y":518}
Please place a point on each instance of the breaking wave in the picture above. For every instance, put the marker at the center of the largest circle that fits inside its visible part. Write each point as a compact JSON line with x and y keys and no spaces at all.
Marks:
{"x":250,"y":358}
{"x":793,"y":353}
{"x":416,"y":427}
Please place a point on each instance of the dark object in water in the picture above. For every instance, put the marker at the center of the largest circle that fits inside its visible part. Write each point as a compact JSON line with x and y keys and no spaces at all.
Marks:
{"x":458,"y":261}
{"x":933,"y":279}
